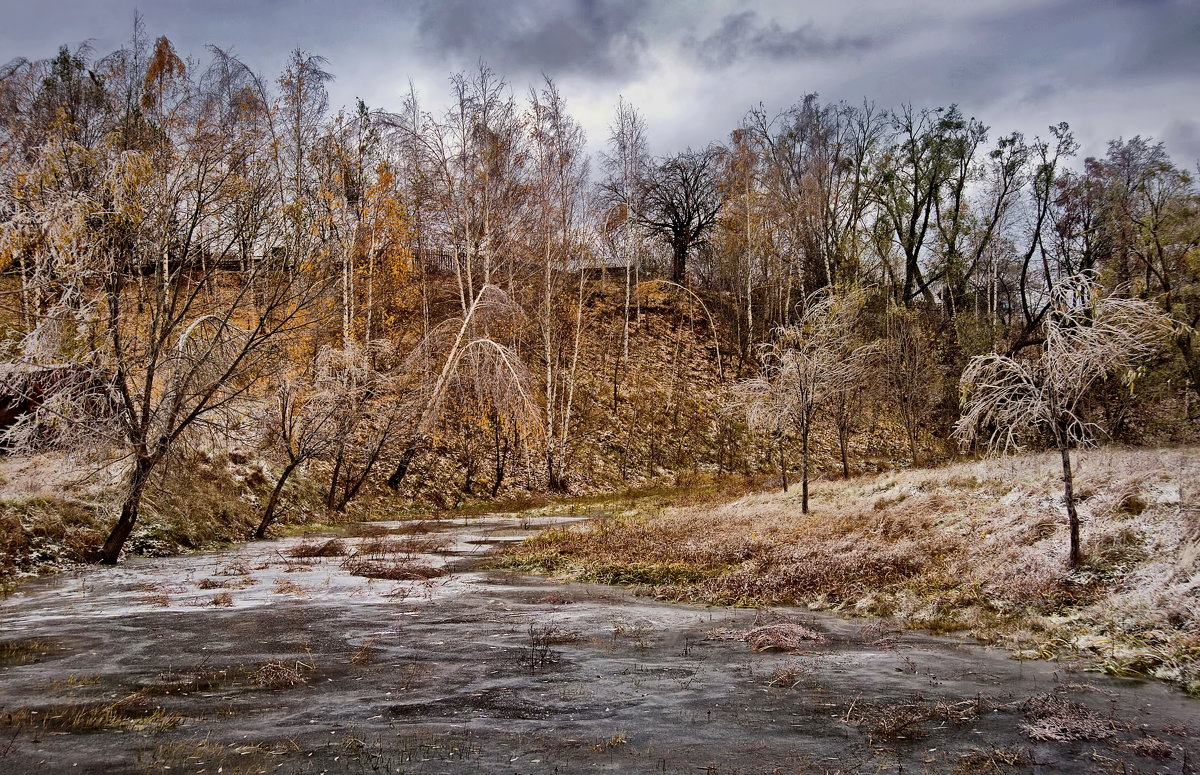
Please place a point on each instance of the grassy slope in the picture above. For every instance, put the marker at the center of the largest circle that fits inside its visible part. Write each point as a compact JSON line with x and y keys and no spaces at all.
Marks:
{"x":977,"y":547}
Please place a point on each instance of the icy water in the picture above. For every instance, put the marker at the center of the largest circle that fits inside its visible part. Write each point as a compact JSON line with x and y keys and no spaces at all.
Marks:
{"x":254,"y":661}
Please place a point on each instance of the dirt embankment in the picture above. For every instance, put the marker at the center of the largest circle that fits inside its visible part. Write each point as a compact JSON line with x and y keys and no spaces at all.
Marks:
{"x":979,"y":547}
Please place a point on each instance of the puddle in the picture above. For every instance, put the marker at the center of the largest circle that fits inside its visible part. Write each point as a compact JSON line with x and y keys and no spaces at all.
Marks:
{"x":253,"y":660}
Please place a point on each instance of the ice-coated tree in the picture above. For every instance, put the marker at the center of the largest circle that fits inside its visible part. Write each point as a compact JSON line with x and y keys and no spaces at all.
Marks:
{"x":807,"y":368}
{"x":1088,"y":335}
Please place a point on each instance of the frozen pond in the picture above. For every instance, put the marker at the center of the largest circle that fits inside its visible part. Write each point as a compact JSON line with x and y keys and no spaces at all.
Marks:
{"x":254,"y":660}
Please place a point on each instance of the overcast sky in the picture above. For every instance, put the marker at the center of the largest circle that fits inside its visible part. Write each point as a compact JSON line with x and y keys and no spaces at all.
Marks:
{"x":1111,"y":68}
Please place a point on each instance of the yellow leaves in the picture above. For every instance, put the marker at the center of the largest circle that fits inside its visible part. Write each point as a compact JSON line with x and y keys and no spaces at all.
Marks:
{"x":126,"y":182}
{"x":165,"y":66}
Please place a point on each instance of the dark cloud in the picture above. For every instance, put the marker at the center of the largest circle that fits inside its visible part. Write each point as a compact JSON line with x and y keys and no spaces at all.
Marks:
{"x":593,"y":38}
{"x":1109,"y":67}
{"x":744,"y":36}
{"x":1168,"y":43}
{"x":1182,"y":139}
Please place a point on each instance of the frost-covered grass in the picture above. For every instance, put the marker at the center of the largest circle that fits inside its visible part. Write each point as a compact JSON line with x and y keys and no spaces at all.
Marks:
{"x":979,"y":547}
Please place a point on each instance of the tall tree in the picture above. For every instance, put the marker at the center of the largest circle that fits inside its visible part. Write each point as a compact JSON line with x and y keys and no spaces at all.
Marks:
{"x":681,"y":204}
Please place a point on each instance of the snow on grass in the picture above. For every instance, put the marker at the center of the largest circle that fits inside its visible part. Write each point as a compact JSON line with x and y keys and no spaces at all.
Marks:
{"x":979,"y":546}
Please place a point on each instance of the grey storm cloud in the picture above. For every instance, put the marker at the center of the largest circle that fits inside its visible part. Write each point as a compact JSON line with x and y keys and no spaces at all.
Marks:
{"x":746,"y":36}
{"x":1109,"y":67}
{"x":1170,"y":43}
{"x":592,"y":38}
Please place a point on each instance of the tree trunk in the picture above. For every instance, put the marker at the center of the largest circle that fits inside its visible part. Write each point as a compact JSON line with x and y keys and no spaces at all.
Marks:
{"x":782,"y":463}
{"x":138,"y":478}
{"x":679,"y":263}
{"x":334,"y":478}
{"x":273,"y":502}
{"x":804,"y":470}
{"x":843,"y":442}
{"x":1069,"y":497}
{"x":406,"y":460}
{"x":554,"y":474}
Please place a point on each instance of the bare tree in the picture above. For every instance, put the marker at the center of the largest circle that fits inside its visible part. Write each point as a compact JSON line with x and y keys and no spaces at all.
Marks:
{"x":626,"y":167}
{"x":308,"y":421}
{"x":681,"y":203}
{"x":129,"y":271}
{"x":811,"y":364}
{"x":1087,"y":337}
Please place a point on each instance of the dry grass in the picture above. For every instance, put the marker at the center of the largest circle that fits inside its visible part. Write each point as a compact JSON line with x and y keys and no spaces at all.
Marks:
{"x":23,"y":652}
{"x":398,"y":570}
{"x":130,"y":713}
{"x":282,"y":675}
{"x":781,"y":637}
{"x":286,"y":587}
{"x":1052,"y":717}
{"x":978,"y":546}
{"x":331,"y":548}
{"x":907,"y":720}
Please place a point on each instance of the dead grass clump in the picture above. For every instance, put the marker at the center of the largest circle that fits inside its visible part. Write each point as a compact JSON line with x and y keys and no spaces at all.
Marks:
{"x":392,"y":571}
{"x":406,"y":545}
{"x":415,"y":527}
{"x":23,"y":652}
{"x":366,"y":530}
{"x":1114,"y":552}
{"x":838,"y":570}
{"x":788,"y":675}
{"x":222,"y":599}
{"x":782,"y":637}
{"x":331,"y":548}
{"x":366,"y":653}
{"x":420,"y":544}
{"x":1153,"y":748}
{"x":1015,"y":580}
{"x":378,"y":547}
{"x":208,"y":583}
{"x":286,"y":587}
{"x":906,"y":720}
{"x":1132,"y":504}
{"x":992,"y":760}
{"x":128,"y":713}
{"x":281,"y":675}
{"x":1054,"y":718}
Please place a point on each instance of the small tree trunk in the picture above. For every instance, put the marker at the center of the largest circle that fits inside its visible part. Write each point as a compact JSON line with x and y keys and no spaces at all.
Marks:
{"x":273,"y":502}
{"x":1069,"y":497}
{"x":138,"y":478}
{"x":334,"y":479}
{"x":804,"y":470}
{"x":401,"y":471}
{"x":554,"y":474}
{"x":843,"y":442}
{"x":782,"y":462}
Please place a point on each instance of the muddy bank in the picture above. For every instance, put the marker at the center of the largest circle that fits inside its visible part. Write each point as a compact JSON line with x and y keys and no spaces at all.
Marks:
{"x":254,"y":660}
